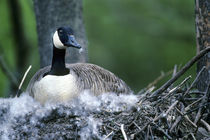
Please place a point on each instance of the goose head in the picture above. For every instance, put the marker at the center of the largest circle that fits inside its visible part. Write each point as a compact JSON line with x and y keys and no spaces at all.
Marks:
{"x":64,"y":37}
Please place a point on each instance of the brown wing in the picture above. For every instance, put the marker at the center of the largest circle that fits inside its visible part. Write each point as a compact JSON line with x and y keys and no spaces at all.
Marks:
{"x":97,"y":79}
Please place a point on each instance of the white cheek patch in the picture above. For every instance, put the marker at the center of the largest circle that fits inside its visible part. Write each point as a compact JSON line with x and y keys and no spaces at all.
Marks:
{"x":56,"y":41}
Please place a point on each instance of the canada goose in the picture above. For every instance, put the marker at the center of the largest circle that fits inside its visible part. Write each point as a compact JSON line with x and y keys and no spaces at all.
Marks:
{"x":61,"y":82}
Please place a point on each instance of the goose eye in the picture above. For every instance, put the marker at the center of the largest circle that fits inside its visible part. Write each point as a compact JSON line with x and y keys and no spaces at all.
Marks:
{"x":60,"y":31}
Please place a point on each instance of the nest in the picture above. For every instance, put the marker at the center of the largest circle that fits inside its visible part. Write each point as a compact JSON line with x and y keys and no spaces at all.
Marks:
{"x":176,"y":113}
{"x":171,"y":112}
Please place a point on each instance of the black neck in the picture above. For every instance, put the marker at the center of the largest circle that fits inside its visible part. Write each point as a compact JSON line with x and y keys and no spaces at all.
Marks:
{"x":58,"y":62}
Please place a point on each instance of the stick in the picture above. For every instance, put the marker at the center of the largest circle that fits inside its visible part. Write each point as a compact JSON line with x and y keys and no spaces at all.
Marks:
{"x":190,"y":105}
{"x":181,"y":72}
{"x":123,"y":132}
{"x":197,"y":92}
{"x":205,"y":124}
{"x":136,"y":125}
{"x":145,"y":126}
{"x":144,"y":96}
{"x":204,"y":100}
{"x":175,"y":123}
{"x":178,"y":118}
{"x":159,"y":78}
{"x":165,"y":114}
{"x":21,"y":83}
{"x":174,"y":71}
{"x":108,"y":135}
{"x":193,"y":136}
{"x":165,"y":133}
{"x":173,"y":74}
{"x":152,"y":137}
{"x":192,"y":110}
{"x":196,"y":79}
{"x":147,"y":136}
{"x":177,"y":87}
{"x":186,"y":117}
{"x":171,"y":91}
{"x":158,"y":117}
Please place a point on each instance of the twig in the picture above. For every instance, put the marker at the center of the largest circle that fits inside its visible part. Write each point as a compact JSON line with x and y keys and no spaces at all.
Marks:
{"x":171,"y":91}
{"x":205,"y":124}
{"x":24,"y":77}
{"x":204,"y":99}
{"x":143,"y":128}
{"x":186,"y":117}
{"x":147,"y":136}
{"x":178,"y":118}
{"x":166,"y":113}
{"x":174,"y":73}
{"x":183,"y":113}
{"x":205,"y":104}
{"x":21,"y":83}
{"x":177,"y":87}
{"x":123,"y":132}
{"x":193,"y":136}
{"x":171,"y":107}
{"x":198,"y":115}
{"x":158,"y":79}
{"x":144,"y":96}
{"x":175,"y":123}
{"x":193,"y":83}
{"x":181,"y":72}
{"x":152,"y":137}
{"x":112,"y":128}
{"x":197,"y":92}
{"x":108,"y":135}
{"x":165,"y":133}
{"x":190,"y":105}
{"x":191,"y":99}
{"x":158,"y":117}
{"x":136,"y":125}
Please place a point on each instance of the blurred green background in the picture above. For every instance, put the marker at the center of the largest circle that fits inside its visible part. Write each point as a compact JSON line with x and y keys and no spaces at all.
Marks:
{"x":134,"y":39}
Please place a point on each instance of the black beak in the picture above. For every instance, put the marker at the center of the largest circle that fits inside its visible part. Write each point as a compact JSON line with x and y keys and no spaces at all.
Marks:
{"x":72,"y":42}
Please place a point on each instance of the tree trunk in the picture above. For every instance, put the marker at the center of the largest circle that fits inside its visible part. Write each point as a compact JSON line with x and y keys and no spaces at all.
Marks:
{"x":202,"y":11}
{"x":51,"y":14}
